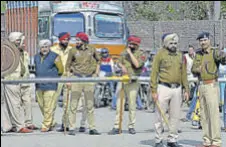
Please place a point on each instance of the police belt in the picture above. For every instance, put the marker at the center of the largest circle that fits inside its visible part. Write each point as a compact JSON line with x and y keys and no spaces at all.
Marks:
{"x":204,"y":82}
{"x":170,"y":85}
{"x":79,"y":75}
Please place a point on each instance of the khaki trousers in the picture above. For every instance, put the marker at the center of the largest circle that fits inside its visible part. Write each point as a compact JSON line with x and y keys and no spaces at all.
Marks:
{"x":27,"y":105}
{"x":47,"y":104}
{"x":76,"y":93}
{"x":65,"y":115}
{"x":11,"y":107}
{"x":83,"y":109}
{"x":169,"y":99}
{"x":57,"y":95}
{"x":131,"y":90}
{"x":210,"y":116}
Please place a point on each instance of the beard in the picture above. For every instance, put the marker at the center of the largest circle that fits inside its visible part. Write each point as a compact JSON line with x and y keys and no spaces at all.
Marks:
{"x":64,"y":45}
{"x":132,"y":49}
{"x":172,"y":49}
{"x":21,"y":48}
{"x":79,"y":46}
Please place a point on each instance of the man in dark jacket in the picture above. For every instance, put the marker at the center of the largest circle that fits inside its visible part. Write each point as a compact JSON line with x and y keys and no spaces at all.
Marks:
{"x":47,"y":64}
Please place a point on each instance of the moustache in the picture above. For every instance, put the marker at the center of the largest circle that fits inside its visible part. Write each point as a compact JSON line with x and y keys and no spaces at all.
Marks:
{"x":64,"y":44}
{"x":173,"y":49}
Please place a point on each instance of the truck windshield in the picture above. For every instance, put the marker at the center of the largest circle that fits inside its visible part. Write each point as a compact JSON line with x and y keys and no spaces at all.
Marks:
{"x":70,"y":22}
{"x":108,"y":26}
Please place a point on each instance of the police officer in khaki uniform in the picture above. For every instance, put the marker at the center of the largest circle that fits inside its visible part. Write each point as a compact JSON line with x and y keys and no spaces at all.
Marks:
{"x":131,"y":62}
{"x":62,"y":49}
{"x":205,"y":66}
{"x":16,"y":94}
{"x":83,"y":61}
{"x":168,"y":76}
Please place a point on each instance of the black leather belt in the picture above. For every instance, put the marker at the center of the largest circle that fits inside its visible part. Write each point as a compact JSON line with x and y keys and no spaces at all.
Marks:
{"x":170,"y":85}
{"x":79,"y":75}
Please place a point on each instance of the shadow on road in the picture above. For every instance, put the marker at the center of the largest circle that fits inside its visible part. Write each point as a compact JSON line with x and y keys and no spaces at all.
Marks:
{"x":185,"y":143}
{"x":148,"y":142}
{"x":190,"y":142}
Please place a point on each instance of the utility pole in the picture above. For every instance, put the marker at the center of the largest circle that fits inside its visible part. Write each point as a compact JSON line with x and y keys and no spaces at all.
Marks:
{"x":216,"y":10}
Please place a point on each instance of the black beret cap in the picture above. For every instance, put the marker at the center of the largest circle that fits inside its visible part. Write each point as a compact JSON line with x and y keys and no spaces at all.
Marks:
{"x":203,"y":35}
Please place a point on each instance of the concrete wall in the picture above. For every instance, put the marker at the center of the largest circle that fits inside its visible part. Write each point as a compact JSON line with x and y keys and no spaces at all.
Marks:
{"x":151,"y":32}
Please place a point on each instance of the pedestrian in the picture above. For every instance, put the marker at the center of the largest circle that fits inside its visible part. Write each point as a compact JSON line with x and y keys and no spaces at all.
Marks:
{"x":47,"y":65}
{"x":106,"y":69}
{"x":222,"y":74}
{"x":168,"y":76}
{"x":131,"y":61}
{"x":83,"y":61}
{"x":205,"y":67}
{"x":16,"y":94}
{"x":189,"y":57}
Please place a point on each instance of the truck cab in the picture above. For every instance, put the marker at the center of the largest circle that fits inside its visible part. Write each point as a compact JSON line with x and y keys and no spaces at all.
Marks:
{"x":104,"y":22}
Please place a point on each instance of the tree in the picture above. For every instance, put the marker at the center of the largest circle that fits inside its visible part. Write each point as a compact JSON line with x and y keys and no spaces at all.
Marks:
{"x":3,"y":6}
{"x":175,"y":10}
{"x":223,"y":6}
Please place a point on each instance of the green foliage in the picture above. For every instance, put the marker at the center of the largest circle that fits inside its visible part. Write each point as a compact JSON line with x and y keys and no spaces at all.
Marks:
{"x":223,"y":6}
{"x":180,"y":10}
{"x":3,"y":6}
{"x":195,"y":10}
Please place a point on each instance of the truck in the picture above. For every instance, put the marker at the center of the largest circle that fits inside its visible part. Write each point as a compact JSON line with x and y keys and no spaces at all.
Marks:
{"x":104,"y":22}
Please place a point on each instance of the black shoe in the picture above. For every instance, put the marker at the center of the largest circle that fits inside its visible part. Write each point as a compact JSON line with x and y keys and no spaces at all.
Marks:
{"x":179,"y":131}
{"x":132,"y":131}
{"x":94,"y":132}
{"x":152,"y":111}
{"x":160,"y":144}
{"x":114,"y":131}
{"x":223,"y":129}
{"x":173,"y":144}
{"x":13,"y":129}
{"x":71,"y":132}
{"x":61,"y":129}
{"x":82,"y":129}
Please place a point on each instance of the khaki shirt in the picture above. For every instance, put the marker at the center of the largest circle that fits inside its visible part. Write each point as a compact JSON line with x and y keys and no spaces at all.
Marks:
{"x":206,"y":60}
{"x":127,"y":62}
{"x":168,"y":68}
{"x":25,"y":59}
{"x":82,"y":61}
{"x":62,"y":53}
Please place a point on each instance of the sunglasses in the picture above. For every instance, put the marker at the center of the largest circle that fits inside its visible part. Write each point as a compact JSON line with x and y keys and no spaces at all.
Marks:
{"x":132,"y":44}
{"x":174,"y":43}
{"x":44,"y":46}
{"x":77,"y":39}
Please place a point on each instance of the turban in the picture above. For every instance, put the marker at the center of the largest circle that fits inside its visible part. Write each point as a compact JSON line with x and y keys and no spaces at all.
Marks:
{"x":82,"y":36}
{"x":44,"y":42}
{"x":64,"y":35}
{"x":15,"y":36}
{"x":203,"y":35}
{"x":164,"y":36}
{"x":134,"y":39}
{"x":170,"y":37}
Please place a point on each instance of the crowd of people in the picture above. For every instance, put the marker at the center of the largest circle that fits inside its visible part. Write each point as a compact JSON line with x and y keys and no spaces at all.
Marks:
{"x":170,"y":73}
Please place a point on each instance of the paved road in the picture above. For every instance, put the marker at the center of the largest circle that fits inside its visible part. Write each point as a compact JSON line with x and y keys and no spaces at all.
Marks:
{"x":104,"y":121}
